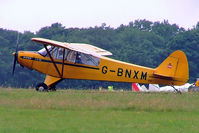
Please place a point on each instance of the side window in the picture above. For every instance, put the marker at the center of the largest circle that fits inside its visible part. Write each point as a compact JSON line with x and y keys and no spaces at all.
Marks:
{"x":60,"y":53}
{"x":66,"y":54}
{"x":81,"y":58}
{"x":89,"y":60}
{"x":78,"y":58}
{"x":57,"y":53}
{"x":71,"y":56}
{"x":54,"y":52}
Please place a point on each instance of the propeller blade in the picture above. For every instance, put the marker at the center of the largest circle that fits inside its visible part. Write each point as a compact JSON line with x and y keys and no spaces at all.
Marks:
{"x":14,"y":63}
{"x":15,"y":55}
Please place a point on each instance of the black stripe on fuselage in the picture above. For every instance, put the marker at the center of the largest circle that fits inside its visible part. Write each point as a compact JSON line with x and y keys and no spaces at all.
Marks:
{"x":56,"y":62}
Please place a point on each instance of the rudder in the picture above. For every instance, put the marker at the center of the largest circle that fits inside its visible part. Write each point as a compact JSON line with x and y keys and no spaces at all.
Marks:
{"x":176,"y":67}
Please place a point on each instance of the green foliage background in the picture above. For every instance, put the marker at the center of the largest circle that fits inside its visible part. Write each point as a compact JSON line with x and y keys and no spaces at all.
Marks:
{"x":140,"y":42}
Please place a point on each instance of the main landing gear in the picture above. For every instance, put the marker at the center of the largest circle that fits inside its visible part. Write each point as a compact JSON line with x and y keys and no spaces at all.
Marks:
{"x":49,"y":84}
{"x":43,"y":87}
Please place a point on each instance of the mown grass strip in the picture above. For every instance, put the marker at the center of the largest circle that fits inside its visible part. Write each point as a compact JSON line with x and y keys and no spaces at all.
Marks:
{"x":88,"y":111}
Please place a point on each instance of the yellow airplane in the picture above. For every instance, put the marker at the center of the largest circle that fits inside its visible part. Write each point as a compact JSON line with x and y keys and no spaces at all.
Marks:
{"x":61,"y":60}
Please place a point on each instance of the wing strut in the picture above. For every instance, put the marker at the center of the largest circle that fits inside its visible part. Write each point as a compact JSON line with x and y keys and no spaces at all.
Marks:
{"x":63,"y":63}
{"x":53,"y":62}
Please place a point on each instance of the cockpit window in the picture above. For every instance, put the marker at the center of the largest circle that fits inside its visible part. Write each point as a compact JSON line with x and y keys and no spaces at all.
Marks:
{"x":82,"y":58}
{"x":70,"y":56}
{"x":58,"y":53}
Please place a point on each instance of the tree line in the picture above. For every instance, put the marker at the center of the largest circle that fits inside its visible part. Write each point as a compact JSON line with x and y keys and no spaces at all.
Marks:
{"x":141,"y":42}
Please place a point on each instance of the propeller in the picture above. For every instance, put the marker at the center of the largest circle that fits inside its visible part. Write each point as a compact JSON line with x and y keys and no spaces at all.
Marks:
{"x":15,"y":55}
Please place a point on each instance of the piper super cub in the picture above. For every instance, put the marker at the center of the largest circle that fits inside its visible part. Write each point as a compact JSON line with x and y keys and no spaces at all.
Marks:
{"x":61,"y":60}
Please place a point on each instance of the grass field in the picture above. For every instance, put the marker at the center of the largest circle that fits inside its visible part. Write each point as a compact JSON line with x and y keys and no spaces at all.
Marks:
{"x":89,"y":111}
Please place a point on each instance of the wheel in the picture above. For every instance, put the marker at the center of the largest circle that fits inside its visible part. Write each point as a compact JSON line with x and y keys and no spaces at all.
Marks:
{"x":41,"y":87}
{"x":52,"y":88}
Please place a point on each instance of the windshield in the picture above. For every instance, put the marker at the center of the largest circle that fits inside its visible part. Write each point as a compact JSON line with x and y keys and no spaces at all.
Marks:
{"x":43,"y":51}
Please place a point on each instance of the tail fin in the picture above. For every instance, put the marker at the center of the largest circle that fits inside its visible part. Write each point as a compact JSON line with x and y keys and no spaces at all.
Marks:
{"x":174,"y":67}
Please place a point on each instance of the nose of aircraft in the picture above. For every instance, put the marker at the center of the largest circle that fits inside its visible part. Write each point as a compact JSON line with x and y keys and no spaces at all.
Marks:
{"x":24,"y":58}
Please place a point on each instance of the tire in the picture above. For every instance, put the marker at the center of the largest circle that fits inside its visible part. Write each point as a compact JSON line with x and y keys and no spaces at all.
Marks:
{"x":41,"y":87}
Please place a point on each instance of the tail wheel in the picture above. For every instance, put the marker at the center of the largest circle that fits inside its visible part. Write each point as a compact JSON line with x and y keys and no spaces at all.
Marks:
{"x":41,"y":87}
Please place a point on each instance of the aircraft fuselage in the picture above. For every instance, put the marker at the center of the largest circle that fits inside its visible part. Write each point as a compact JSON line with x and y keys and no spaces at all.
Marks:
{"x":107,"y":70}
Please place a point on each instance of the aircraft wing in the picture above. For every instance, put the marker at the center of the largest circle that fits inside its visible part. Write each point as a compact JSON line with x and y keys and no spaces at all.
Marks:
{"x":80,"y":47}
